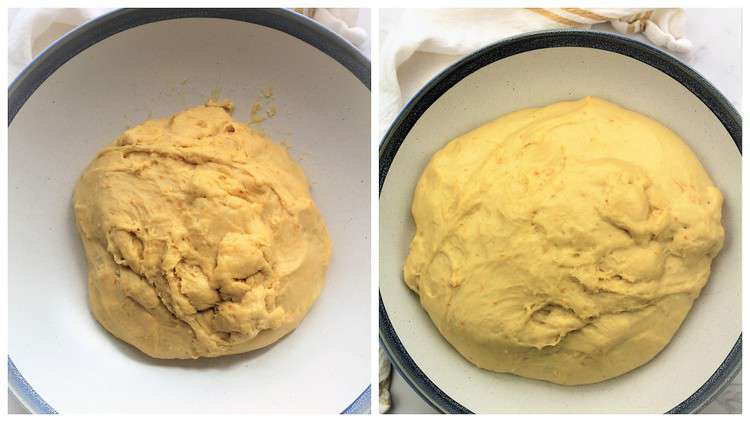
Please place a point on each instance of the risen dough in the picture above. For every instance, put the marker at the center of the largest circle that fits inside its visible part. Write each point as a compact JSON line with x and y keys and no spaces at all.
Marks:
{"x":565,"y":243}
{"x":201,"y":237}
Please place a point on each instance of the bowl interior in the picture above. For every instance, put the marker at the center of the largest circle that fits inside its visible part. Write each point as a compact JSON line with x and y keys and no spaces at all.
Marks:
{"x":536,"y":78}
{"x":155,"y":70}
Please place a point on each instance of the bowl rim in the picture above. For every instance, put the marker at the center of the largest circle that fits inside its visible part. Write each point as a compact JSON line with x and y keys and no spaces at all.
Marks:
{"x":508,"y":47}
{"x":114,"y":22}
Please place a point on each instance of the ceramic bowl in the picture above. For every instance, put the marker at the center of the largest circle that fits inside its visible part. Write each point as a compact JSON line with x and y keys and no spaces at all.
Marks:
{"x":535,"y":70}
{"x":117,"y":71}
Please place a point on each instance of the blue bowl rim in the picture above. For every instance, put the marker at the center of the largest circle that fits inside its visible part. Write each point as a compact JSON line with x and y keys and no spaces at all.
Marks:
{"x":107,"y":25}
{"x":441,"y":83}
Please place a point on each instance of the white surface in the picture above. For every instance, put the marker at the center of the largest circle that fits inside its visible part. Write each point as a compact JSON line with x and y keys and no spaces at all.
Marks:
{"x":156,"y":70}
{"x":538,"y":78}
{"x":717,"y":39}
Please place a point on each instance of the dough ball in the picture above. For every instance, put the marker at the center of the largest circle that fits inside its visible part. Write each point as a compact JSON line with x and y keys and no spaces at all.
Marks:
{"x":201,"y":237}
{"x":564,"y":243}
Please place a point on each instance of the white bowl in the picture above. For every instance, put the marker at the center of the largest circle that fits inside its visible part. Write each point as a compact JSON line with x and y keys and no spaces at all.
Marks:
{"x":531,"y":71}
{"x":117,"y":71}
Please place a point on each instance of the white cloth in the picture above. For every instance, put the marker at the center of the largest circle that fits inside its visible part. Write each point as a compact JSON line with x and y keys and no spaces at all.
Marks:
{"x":384,"y":383}
{"x":341,"y":21}
{"x":453,"y":33}
{"x":30,"y":31}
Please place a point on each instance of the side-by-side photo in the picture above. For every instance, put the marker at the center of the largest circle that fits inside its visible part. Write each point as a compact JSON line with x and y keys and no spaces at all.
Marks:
{"x":195,"y":226}
{"x":185,"y":237}
{"x":560,"y":210}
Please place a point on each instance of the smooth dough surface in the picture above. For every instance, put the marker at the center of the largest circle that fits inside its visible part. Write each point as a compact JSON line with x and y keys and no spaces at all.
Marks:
{"x":201,"y":236}
{"x":564,"y":243}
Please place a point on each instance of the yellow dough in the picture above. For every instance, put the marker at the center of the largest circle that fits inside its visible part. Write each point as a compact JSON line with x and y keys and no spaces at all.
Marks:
{"x":564,"y":243}
{"x":201,"y":237}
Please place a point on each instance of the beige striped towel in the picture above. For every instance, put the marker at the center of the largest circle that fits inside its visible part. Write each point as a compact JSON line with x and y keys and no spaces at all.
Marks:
{"x":663,"y":27}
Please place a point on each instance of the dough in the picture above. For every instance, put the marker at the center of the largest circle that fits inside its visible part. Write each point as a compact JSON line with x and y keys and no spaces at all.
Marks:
{"x":564,"y":243}
{"x":201,"y":237}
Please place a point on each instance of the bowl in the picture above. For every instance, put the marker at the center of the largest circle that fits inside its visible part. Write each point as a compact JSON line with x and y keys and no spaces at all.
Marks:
{"x":115,"y":72}
{"x":530,"y":71}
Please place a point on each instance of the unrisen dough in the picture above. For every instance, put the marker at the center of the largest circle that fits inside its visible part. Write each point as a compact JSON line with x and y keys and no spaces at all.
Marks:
{"x":565,"y":243}
{"x":201,"y":237}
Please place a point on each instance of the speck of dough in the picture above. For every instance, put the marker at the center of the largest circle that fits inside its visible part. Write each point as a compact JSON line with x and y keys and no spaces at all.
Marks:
{"x":255,"y":113}
{"x":201,"y":237}
{"x":564,"y":243}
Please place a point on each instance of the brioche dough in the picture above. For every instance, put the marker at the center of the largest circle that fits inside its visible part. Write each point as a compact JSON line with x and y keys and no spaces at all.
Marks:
{"x":201,"y":237}
{"x":564,"y":243}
